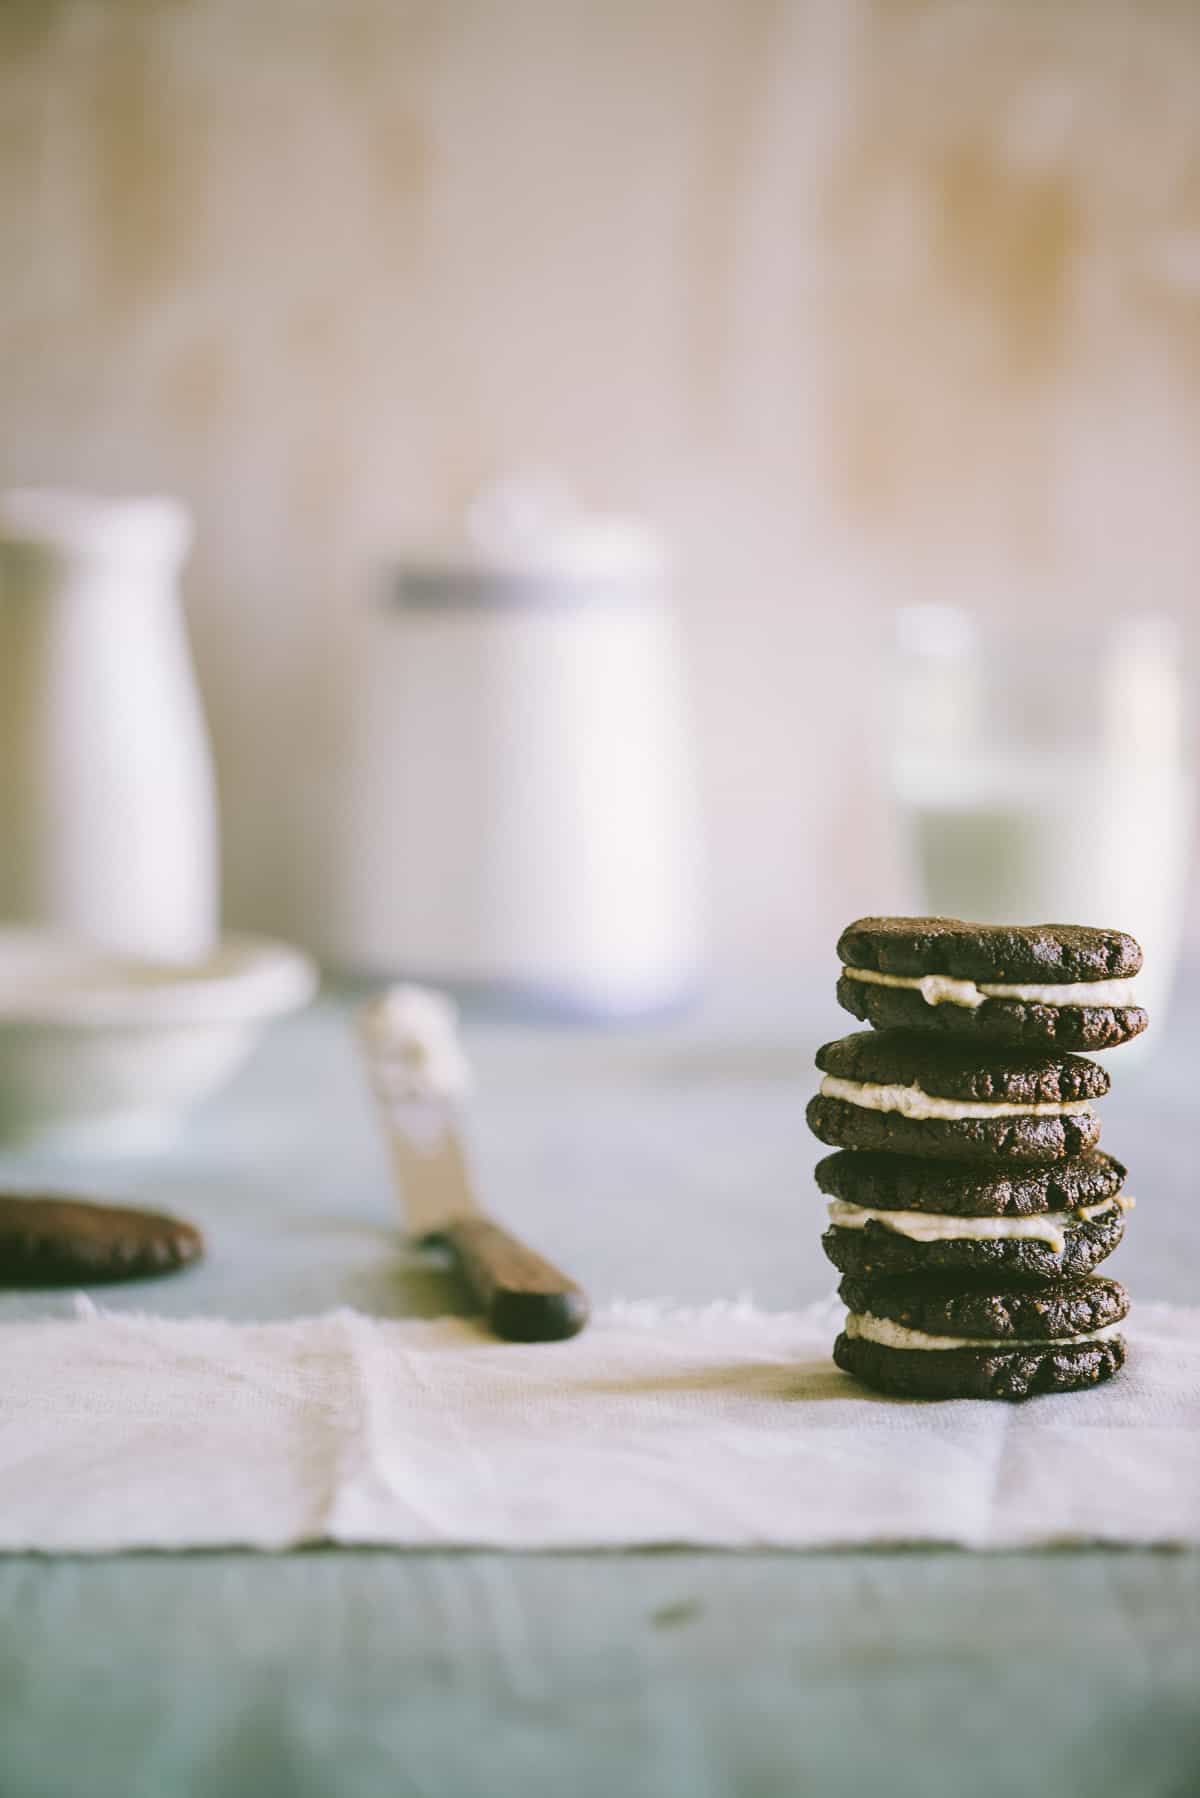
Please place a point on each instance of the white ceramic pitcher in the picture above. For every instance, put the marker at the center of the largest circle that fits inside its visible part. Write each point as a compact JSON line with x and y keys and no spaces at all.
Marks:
{"x":107,"y":807}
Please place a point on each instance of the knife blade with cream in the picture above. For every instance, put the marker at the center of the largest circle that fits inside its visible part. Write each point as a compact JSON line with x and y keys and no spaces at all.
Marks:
{"x":420,"y":1077}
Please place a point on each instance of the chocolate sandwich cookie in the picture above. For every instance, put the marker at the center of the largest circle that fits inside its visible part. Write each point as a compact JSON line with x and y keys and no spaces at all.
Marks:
{"x":906,"y":1093}
{"x":945,"y":1308}
{"x":1038,"y":984}
{"x":968,"y":1189}
{"x":68,"y":1242}
{"x":927,"y":1339}
{"x":878,"y":1244}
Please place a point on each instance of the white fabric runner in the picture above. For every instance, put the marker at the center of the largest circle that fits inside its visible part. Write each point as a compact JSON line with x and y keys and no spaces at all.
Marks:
{"x":725,"y":1428}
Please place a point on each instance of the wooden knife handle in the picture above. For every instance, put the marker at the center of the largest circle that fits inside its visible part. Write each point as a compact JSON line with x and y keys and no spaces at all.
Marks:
{"x":526,"y":1299}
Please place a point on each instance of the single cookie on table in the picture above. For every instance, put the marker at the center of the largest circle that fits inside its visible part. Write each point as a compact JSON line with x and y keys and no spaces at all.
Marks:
{"x":934,"y":1339}
{"x":53,"y":1241}
{"x":1061,"y":985}
{"x":906,"y":1093}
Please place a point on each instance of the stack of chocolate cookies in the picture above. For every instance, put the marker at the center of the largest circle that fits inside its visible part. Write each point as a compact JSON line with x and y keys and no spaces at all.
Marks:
{"x":969,"y":1202}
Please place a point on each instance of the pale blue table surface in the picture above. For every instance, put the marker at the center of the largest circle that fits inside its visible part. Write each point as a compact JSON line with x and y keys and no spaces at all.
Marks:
{"x":673,"y":1162}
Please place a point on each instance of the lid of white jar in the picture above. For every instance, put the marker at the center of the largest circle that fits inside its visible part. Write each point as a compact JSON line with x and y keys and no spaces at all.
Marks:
{"x":145,"y":527}
{"x":525,"y":542}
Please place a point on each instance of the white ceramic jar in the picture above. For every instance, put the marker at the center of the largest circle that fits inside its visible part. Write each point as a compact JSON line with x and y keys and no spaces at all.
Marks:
{"x":107,"y":809}
{"x":520,"y":811}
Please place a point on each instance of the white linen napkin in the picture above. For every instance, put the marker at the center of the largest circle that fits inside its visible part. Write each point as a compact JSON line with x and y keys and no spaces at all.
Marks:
{"x":724,"y":1428}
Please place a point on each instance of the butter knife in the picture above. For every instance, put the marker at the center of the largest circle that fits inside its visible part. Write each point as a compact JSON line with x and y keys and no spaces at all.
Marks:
{"x":419,"y":1076}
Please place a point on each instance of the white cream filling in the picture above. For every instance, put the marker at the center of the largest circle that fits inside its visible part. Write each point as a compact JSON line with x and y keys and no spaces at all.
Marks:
{"x":912,"y":1102}
{"x":411,"y":1037}
{"x":868,"y":1328}
{"x":940,"y":1226}
{"x":942,"y":989}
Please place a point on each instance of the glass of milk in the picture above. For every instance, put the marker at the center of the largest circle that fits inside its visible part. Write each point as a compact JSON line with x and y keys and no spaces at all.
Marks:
{"x":1043,"y":774}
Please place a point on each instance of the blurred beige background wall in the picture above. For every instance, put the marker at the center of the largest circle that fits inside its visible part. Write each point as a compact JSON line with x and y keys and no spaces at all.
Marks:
{"x":863,"y":301}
